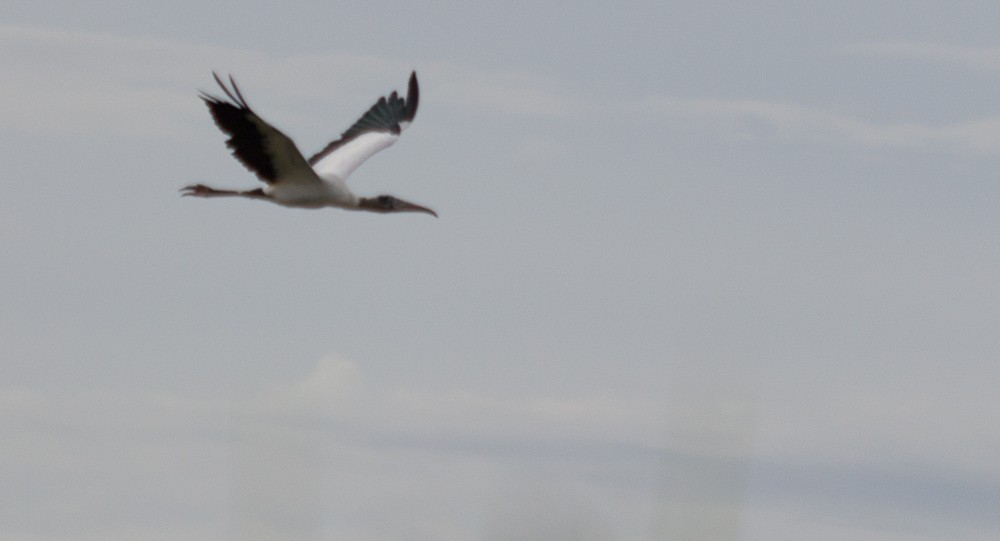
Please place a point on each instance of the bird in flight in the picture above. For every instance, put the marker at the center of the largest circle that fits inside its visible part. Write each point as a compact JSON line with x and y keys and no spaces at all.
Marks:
{"x":292,"y":180}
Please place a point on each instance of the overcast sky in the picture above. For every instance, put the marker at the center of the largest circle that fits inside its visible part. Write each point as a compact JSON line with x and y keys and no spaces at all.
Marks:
{"x":703,"y":271}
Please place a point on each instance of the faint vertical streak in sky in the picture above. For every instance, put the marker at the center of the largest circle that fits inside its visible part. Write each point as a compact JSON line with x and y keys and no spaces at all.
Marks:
{"x":276,"y":482}
{"x":709,"y":437}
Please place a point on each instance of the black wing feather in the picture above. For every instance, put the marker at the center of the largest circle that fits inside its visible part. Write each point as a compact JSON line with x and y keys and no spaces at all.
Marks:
{"x":248,"y":133}
{"x":386,"y":115}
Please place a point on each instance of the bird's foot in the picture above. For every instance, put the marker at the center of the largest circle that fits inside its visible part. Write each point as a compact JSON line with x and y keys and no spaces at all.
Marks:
{"x":197,"y":190}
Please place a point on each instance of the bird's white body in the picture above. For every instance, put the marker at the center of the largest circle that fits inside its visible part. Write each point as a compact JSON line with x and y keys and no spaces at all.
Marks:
{"x":294,"y":181}
{"x":328,"y":192}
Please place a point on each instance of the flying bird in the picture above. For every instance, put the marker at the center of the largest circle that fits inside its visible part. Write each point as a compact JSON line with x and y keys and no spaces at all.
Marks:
{"x":292,"y":180}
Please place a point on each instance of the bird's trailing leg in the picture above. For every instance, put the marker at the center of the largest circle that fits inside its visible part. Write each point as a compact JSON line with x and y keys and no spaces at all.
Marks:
{"x":200,"y":190}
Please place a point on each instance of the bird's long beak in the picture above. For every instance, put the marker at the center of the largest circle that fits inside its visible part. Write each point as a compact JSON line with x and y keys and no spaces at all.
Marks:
{"x":406,"y":206}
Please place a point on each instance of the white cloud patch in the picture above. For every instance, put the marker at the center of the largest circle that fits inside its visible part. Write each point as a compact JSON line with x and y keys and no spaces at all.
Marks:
{"x":333,"y":388}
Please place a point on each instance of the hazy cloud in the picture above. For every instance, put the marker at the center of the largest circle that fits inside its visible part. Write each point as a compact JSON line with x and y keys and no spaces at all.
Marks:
{"x":144,"y":87}
{"x":746,"y":118}
{"x":286,"y":444}
{"x":980,"y":58}
{"x":737,"y":291}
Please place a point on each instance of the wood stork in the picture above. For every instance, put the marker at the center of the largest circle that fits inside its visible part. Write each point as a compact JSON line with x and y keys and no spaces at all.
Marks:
{"x":292,"y":180}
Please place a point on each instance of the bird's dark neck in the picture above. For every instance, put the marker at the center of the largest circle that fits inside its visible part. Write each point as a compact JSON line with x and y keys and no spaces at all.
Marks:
{"x":370,"y":204}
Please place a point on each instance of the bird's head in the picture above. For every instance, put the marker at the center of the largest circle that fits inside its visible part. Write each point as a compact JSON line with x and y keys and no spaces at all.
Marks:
{"x":388,"y":203}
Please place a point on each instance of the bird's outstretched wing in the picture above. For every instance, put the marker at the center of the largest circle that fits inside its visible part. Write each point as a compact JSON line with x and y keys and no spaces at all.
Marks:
{"x":261,"y":147}
{"x":378,"y":128}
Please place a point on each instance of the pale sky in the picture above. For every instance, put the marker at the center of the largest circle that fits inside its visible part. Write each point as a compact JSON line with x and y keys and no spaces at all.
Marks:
{"x":703,"y":271}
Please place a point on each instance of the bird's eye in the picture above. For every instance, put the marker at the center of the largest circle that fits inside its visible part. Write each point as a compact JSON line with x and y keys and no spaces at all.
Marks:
{"x":385,"y":200}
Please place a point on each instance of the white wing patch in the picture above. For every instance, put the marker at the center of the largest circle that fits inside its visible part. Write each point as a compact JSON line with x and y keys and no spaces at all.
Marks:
{"x":345,"y":159}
